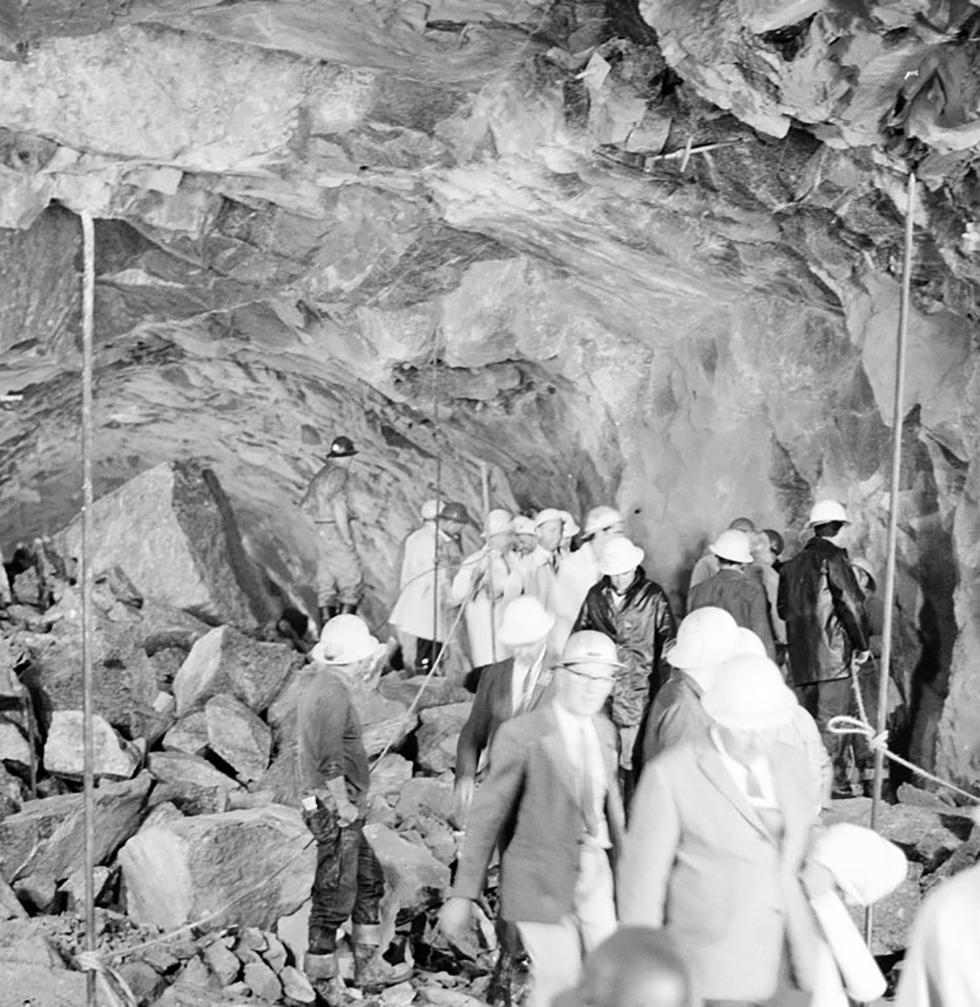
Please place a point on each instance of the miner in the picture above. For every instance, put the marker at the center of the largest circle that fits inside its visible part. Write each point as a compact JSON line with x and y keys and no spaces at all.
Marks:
{"x":339,"y":581}
{"x":551,"y":803}
{"x":333,"y":779}
{"x":823,"y":608}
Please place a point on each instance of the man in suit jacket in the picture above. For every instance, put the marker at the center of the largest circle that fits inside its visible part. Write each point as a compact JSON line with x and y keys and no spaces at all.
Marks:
{"x":508,"y":688}
{"x":551,"y":803}
{"x":716,"y":844}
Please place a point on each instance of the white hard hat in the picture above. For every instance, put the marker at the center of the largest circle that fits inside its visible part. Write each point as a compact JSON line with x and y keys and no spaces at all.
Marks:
{"x":569,"y":526}
{"x":749,"y":643}
{"x":345,"y":639}
{"x":499,"y":522}
{"x":523,"y":525}
{"x":619,"y":555}
{"x":747,"y":693}
{"x":601,"y":518}
{"x":548,"y":514}
{"x":525,"y":621}
{"x":826,"y":511}
{"x":588,"y":646}
{"x":865,"y":866}
{"x":733,"y":545}
{"x":705,"y":638}
{"x":430,"y":510}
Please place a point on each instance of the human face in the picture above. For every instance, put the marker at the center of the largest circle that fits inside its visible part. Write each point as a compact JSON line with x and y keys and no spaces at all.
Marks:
{"x":501,"y":541}
{"x":583,"y":688}
{"x":526,"y":544}
{"x":747,"y":746}
{"x":621,"y":581}
{"x":549,"y":534}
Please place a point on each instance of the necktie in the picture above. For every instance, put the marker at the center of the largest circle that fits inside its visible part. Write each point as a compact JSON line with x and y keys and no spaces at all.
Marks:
{"x":527,"y":691}
{"x":587,"y":786}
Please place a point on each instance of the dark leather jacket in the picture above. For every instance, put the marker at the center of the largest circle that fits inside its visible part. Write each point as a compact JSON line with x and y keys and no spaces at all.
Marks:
{"x":823,"y":608}
{"x":642,"y":628}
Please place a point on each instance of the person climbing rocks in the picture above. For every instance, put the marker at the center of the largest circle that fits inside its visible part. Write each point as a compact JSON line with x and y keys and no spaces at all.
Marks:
{"x":333,"y":779}
{"x":339,"y":580}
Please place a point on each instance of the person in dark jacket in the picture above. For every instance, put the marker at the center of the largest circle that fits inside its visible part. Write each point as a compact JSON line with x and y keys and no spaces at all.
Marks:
{"x":634,"y":612}
{"x":823,"y":608}
{"x":734,"y":590}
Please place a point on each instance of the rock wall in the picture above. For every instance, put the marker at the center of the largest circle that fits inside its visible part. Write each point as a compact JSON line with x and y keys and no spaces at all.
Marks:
{"x":614,"y":255}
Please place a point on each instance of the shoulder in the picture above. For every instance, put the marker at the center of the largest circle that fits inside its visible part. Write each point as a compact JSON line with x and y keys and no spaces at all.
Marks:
{"x":527,"y":727}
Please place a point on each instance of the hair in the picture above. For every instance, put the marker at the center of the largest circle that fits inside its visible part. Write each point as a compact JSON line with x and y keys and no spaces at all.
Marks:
{"x":743,"y":524}
{"x":776,"y":541}
{"x":728,"y":562}
{"x":613,"y":968}
{"x":828,"y":529}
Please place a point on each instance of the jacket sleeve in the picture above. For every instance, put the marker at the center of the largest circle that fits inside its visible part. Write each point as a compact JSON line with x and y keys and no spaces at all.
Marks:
{"x":782,"y":597}
{"x":493,"y":808}
{"x":476,"y":731}
{"x":848,"y":600}
{"x":679,"y":723}
{"x":664,"y":634}
{"x":648,"y":852}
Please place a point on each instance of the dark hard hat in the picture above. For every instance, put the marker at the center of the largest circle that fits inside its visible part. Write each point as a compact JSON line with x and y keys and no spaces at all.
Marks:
{"x":454,"y":511}
{"x":342,"y":447}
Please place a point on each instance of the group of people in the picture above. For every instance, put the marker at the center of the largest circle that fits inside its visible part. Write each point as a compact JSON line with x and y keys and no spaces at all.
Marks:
{"x":583,"y":679}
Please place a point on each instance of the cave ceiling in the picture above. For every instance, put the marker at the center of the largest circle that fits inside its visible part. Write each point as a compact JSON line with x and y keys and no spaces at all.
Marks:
{"x":646,"y":253}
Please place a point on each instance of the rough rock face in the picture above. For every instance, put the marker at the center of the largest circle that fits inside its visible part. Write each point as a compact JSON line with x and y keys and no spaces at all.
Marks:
{"x":332,"y":218}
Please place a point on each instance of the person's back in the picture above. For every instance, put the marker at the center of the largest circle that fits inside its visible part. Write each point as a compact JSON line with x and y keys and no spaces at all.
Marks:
{"x":741,"y":596}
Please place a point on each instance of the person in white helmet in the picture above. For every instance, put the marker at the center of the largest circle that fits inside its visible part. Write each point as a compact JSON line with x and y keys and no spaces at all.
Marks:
{"x":540,"y":568}
{"x":487,"y":580}
{"x":551,"y":803}
{"x":507,"y":688}
{"x":705,"y":640}
{"x":579,"y":570}
{"x":333,"y":779}
{"x":823,"y":608}
{"x":714,"y":853}
{"x":707,"y":566}
{"x":732,"y":589}
{"x":634,"y":611}
{"x":525,"y":537}
{"x":429,"y":562}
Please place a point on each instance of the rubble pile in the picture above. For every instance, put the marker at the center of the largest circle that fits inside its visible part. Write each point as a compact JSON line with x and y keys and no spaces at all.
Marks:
{"x":204,"y":862}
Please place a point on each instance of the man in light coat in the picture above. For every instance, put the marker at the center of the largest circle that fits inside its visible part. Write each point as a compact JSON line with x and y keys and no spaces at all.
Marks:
{"x":429,"y":564}
{"x":487,"y":580}
{"x":551,"y":804}
{"x":540,"y":568}
{"x":716,"y":845}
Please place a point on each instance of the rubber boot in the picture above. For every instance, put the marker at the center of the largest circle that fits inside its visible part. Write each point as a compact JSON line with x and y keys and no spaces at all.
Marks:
{"x":371,"y":972}
{"x":326,"y":613}
{"x":321,"y":970}
{"x":348,"y":608}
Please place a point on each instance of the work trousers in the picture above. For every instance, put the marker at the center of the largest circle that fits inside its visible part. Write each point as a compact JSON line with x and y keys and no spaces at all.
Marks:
{"x":824,"y":700}
{"x":348,"y":880}
{"x":339,"y":580}
{"x":426,"y":654}
{"x":556,"y":950}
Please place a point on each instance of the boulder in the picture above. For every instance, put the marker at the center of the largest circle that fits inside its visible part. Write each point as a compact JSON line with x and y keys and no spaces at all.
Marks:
{"x":15,"y":751}
{"x":173,"y":532}
{"x":189,"y":734}
{"x":243,"y":867}
{"x":292,"y":930}
{"x":295,"y":986}
{"x":166,"y":628}
{"x":439,"y":734}
{"x":425,"y":794}
{"x":183,"y":770}
{"x":10,"y":907}
{"x":167,"y":811}
{"x":61,"y":987}
{"x":238,"y":736}
{"x":74,"y":888}
{"x":225,"y":660}
{"x":263,"y":981}
{"x":64,"y":749}
{"x":437,"y":692}
{"x":414,"y":879}
{"x":44,"y":842}
{"x":222,"y":962}
{"x":274,"y":953}
{"x":390,"y":775}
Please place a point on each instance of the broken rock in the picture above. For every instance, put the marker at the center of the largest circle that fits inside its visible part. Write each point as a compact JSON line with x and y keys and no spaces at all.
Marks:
{"x":238,"y":736}
{"x":172,"y":531}
{"x":263,"y":982}
{"x":439,"y":734}
{"x":15,"y":751}
{"x":437,"y":692}
{"x":225,"y":660}
{"x":189,"y":734}
{"x":254,"y":865}
{"x":64,"y":750}
{"x":44,"y":842}
{"x":181,"y":769}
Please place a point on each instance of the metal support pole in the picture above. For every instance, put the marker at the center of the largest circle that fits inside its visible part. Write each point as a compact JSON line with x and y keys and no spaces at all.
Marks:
{"x":88,"y":580}
{"x":435,"y":540}
{"x":485,"y":483}
{"x":898,"y":414}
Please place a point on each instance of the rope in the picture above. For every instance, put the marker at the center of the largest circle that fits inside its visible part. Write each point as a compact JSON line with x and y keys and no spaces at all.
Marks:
{"x":878,"y":740}
{"x":110,"y":983}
